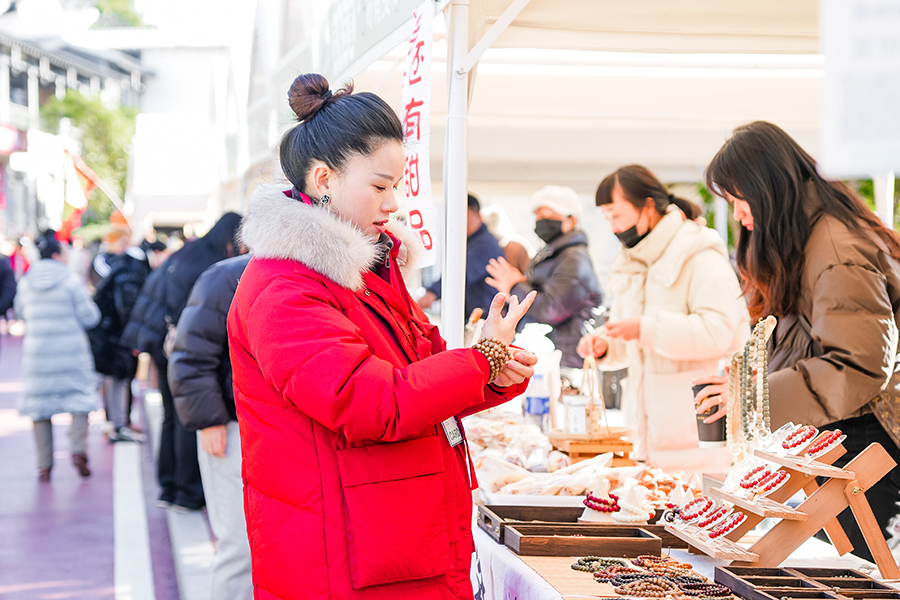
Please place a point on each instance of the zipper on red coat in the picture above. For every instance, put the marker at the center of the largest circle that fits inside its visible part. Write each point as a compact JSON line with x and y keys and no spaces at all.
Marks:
{"x":396,"y":319}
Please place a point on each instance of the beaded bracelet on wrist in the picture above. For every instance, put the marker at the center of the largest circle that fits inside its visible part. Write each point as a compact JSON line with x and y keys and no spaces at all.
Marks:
{"x":497,"y":354}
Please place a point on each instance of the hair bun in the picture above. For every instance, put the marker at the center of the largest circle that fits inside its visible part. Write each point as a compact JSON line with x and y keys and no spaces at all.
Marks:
{"x":310,"y":92}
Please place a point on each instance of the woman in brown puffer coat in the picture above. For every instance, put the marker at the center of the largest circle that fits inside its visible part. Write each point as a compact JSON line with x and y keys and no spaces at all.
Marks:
{"x":815,"y":256}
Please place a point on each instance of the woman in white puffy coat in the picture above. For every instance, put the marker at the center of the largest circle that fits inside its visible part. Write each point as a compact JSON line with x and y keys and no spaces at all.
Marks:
{"x":676,"y":312}
{"x":57,"y":365}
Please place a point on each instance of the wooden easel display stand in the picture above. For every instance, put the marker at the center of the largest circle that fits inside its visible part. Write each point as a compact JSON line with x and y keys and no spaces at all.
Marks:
{"x":845,"y":488}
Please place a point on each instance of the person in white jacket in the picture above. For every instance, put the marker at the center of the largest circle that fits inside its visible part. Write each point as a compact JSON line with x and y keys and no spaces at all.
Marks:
{"x":676,"y":312}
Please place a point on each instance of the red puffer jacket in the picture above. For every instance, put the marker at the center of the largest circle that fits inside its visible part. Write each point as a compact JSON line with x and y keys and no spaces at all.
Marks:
{"x":351,"y":489}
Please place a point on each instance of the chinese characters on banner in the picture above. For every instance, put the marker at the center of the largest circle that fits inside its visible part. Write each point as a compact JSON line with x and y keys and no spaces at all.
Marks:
{"x":416,"y":119}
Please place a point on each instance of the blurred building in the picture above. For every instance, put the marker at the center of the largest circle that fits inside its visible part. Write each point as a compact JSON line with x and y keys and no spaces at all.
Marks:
{"x":35,"y":65}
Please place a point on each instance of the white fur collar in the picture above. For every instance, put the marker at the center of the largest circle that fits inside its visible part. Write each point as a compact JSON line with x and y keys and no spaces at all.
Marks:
{"x":276,"y":226}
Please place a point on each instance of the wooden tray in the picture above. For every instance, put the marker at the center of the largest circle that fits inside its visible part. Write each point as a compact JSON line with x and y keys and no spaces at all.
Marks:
{"x":755,"y":583}
{"x":581,"y":540}
{"x":494,"y":519}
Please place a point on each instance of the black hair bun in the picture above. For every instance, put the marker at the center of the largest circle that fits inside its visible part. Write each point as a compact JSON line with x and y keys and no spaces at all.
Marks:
{"x":310,"y":92}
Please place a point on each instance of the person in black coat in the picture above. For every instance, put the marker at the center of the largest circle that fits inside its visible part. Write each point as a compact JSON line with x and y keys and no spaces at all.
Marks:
{"x":561,"y":272}
{"x":481,"y":247}
{"x":163,"y":298}
{"x":200,"y":381}
{"x":7,"y":286}
{"x":126,"y":269}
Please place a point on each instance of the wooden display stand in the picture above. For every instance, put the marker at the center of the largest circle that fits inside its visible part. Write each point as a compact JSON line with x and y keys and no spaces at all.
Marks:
{"x":844,"y":488}
{"x":582,"y":446}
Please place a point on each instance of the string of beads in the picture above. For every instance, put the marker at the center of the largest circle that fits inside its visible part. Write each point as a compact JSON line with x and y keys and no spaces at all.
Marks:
{"x":799,"y":436}
{"x":497,"y":354}
{"x":592,"y":564}
{"x":601,"y":504}
{"x":824,"y":443}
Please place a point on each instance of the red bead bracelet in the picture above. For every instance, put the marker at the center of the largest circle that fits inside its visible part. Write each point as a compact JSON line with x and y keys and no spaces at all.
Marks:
{"x":727,"y":525}
{"x":805,"y":433}
{"x":824,"y":443}
{"x":771,"y":482}
{"x":686,"y":515}
{"x":750,"y":482}
{"x":713,"y":517}
{"x":602,"y":504}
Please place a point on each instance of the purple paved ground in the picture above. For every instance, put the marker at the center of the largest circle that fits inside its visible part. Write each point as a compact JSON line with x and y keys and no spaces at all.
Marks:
{"x":56,"y":539}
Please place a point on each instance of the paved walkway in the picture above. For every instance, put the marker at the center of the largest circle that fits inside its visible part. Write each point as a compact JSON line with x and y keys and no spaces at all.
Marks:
{"x":96,"y":538}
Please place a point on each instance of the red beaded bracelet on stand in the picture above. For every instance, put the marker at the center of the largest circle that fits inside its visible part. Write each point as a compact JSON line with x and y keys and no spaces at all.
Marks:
{"x":727,"y":525}
{"x":823,"y":443}
{"x":808,"y":433}
{"x":771,"y":482}
{"x":686,"y":514}
{"x":750,"y":482}
{"x":602,"y":504}
{"x":713,"y":517}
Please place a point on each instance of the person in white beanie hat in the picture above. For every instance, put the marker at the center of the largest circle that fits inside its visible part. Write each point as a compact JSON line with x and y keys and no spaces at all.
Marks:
{"x":561,"y":272}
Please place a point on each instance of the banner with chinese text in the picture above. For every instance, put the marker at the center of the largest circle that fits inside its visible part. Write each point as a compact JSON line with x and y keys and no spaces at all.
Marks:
{"x":416,"y":118}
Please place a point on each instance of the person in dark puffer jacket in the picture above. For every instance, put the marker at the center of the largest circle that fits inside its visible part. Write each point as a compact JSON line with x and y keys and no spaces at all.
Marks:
{"x":126,"y":270}
{"x":561,"y":272}
{"x":201,"y":385}
{"x":163,"y":298}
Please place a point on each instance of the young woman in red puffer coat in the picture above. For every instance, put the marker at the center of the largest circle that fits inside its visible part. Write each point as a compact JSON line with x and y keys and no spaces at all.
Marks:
{"x":352,"y":487}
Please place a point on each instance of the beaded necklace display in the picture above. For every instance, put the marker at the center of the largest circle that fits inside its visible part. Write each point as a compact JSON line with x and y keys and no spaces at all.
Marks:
{"x":748,"y":416}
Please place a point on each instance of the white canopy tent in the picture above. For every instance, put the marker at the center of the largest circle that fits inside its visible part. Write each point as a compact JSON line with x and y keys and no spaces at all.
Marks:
{"x":704,"y":26}
{"x":567,"y":90}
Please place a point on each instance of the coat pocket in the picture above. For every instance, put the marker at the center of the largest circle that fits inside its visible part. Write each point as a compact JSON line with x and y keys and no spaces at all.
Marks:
{"x":396,"y":515}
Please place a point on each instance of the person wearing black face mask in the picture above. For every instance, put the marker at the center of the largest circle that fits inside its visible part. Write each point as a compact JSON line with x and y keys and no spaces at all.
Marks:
{"x":562,"y":272}
{"x":676,"y":307}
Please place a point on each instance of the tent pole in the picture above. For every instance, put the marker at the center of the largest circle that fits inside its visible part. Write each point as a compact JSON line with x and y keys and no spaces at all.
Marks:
{"x":721,"y":217}
{"x":455,"y":183}
{"x":884,"y":198}
{"x":499,"y":26}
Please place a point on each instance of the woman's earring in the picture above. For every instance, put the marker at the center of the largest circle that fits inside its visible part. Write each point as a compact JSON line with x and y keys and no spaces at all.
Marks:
{"x":325,"y":199}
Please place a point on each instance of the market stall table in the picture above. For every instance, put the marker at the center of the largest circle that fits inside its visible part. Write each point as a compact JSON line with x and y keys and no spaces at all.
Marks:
{"x":506,"y":576}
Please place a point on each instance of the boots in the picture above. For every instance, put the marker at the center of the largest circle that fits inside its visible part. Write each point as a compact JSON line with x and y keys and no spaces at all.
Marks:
{"x":80,"y":461}
{"x":44,"y":474}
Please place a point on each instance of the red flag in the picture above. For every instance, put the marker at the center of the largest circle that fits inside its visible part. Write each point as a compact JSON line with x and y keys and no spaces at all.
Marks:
{"x":86,"y":183}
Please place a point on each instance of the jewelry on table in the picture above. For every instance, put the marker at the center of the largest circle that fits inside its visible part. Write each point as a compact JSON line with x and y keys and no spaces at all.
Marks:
{"x":706,"y":590}
{"x":592,"y":564}
{"x":772,"y":481}
{"x":713,"y":516}
{"x":826,"y":442}
{"x":601,"y":504}
{"x":654,"y":587}
{"x":727,"y":525}
{"x":799,"y":436}
{"x":751,"y":480}
{"x":686,"y":515}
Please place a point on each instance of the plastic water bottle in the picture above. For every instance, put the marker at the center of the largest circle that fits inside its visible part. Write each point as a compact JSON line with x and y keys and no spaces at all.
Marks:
{"x":537,"y":402}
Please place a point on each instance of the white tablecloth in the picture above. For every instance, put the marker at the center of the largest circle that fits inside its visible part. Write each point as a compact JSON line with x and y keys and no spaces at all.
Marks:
{"x":506,"y":577}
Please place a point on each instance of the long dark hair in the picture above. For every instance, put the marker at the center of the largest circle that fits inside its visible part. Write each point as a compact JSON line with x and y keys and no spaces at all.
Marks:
{"x":762,"y":165}
{"x":638,"y":184}
{"x":333,"y":127}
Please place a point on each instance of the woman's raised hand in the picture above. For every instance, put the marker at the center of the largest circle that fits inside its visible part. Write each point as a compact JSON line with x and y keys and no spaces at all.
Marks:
{"x":504,"y":328}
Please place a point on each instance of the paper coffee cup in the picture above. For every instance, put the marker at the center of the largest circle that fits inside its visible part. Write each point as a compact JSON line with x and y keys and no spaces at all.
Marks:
{"x":712,"y":435}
